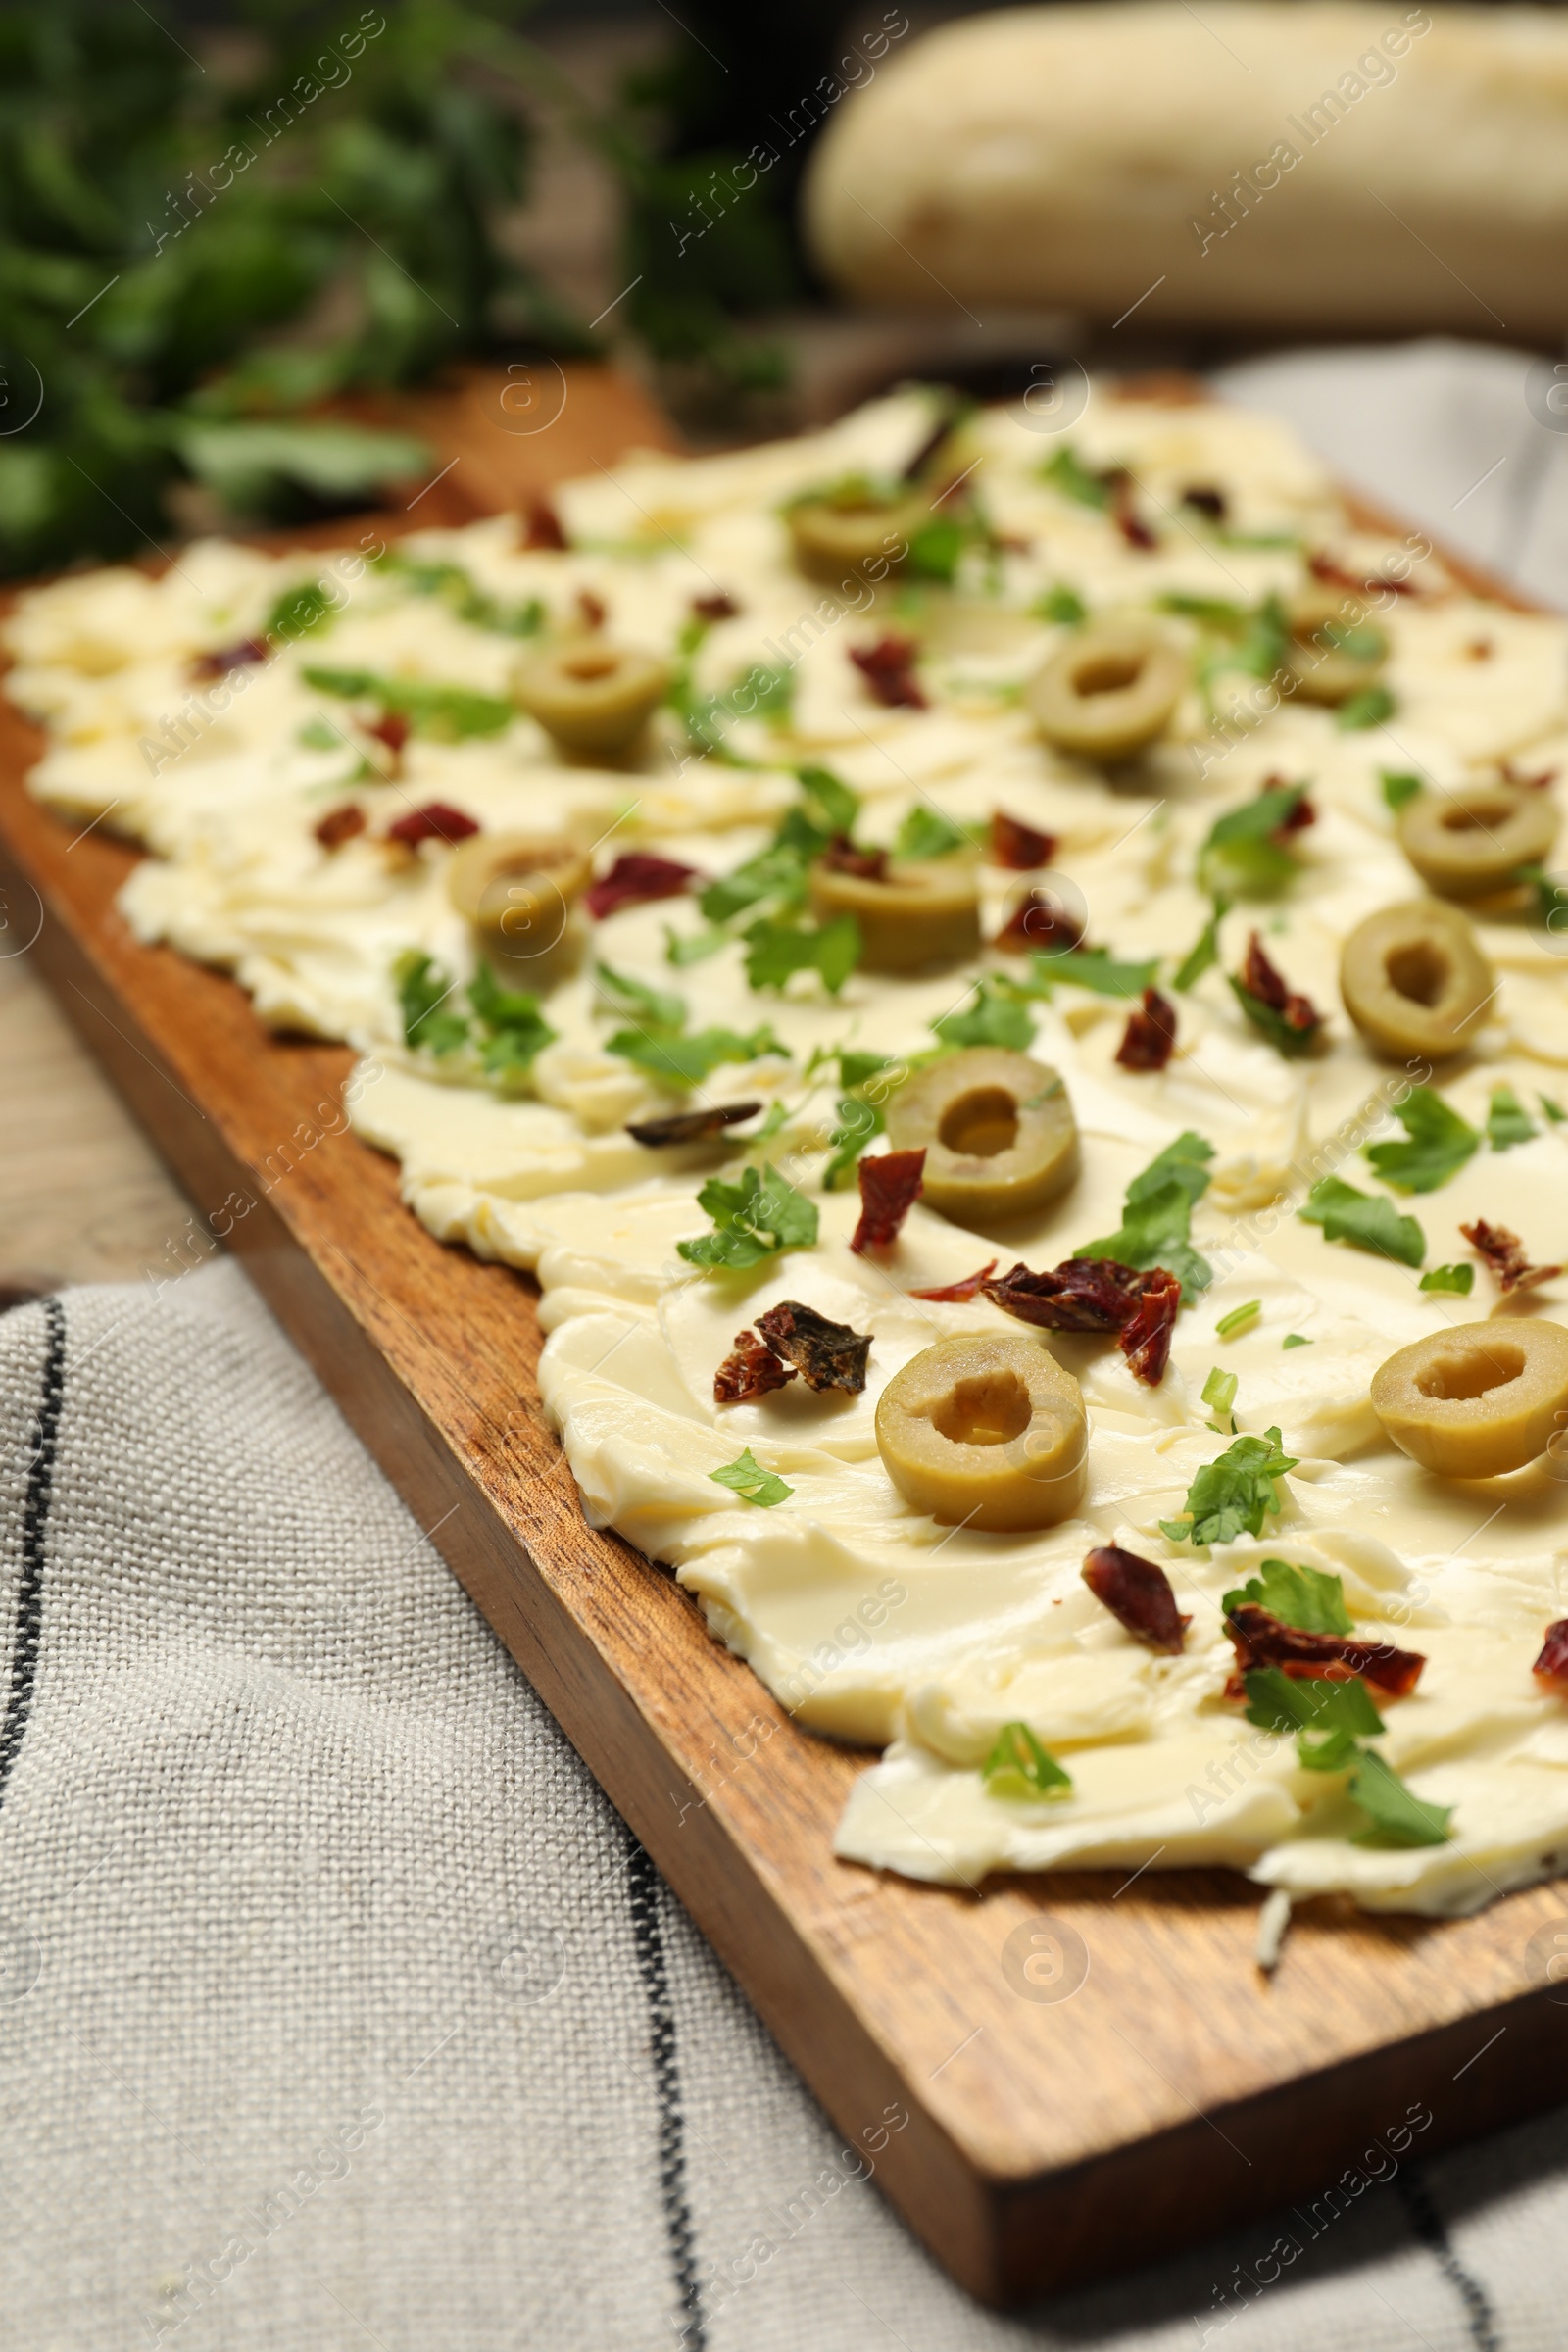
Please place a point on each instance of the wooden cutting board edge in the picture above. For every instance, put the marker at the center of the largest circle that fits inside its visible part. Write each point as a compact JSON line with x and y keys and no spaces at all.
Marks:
{"x":859,"y":1979}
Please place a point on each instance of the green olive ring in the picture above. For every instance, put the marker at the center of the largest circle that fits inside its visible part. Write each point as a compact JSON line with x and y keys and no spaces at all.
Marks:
{"x":997,"y":1131}
{"x":834,"y":540}
{"x":923,"y":912}
{"x":1478,"y":1399}
{"x":1323,"y":672}
{"x":1108,"y":692}
{"x":590,"y":697}
{"x":1466,"y":843}
{"x":519,"y":891}
{"x":986,"y":1432}
{"x":1414,"y":981}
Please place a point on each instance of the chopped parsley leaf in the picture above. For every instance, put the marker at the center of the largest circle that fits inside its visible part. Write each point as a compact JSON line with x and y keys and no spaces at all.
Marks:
{"x":1460,"y":1279}
{"x":1020,"y":1769}
{"x":752,"y":1219}
{"x":1156,"y":1217}
{"x":1367,"y":1223}
{"x":1309,"y":1598}
{"x":1232,"y":1494}
{"x":1507,"y":1121}
{"x":746,"y":1478}
{"x":1436,"y":1145}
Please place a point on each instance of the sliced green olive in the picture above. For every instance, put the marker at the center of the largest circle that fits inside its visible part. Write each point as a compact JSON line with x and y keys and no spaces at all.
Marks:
{"x":590,"y":697}
{"x":852,"y":533}
{"x":1335,"y":650}
{"x":519,"y":893}
{"x":1478,"y":1399}
{"x":1111,"y":688}
{"x":986,"y":1432}
{"x":1414,"y":981}
{"x":920,"y":911}
{"x":997,"y":1131}
{"x":1474,"y":840}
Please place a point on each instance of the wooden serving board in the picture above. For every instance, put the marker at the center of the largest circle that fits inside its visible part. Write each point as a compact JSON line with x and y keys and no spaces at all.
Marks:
{"x":1176,"y":2089}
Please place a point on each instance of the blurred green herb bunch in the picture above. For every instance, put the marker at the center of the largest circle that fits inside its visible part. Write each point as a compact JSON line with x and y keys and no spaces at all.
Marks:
{"x":195,"y":249}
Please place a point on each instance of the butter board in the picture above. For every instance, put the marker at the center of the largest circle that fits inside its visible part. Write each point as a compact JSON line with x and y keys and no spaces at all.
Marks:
{"x":1093,"y":2068}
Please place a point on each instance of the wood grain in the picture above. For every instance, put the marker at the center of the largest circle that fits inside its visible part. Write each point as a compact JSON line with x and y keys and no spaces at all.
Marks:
{"x":1177,"y":2090}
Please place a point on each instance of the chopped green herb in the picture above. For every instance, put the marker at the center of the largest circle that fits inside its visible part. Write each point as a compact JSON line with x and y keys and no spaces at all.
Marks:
{"x":1330,"y":1719}
{"x":1436,"y":1145}
{"x":858,"y":1070}
{"x":686,"y":1060}
{"x":458,"y":590}
{"x":513,"y":1028}
{"x":682,"y":948}
{"x":1369,"y":709}
{"x":1219,"y":1390}
{"x":1239,"y":1319}
{"x":1295,"y":1338}
{"x":1060,"y":603}
{"x":777,"y":872}
{"x":1156,"y":1217}
{"x":991,"y":1019}
{"x":1367,"y":1223}
{"x":1460,"y":1279}
{"x":1398,"y":790}
{"x":423,"y":987}
{"x":1242,"y":857}
{"x":1066,"y":471}
{"x":774,"y":950}
{"x":752,"y":1219}
{"x":762,"y":693}
{"x":1555,"y":1111}
{"x":927,"y":833}
{"x":627,"y":996}
{"x":1202,"y":955}
{"x":1089,"y":967}
{"x":1309,"y":1598}
{"x":1234,"y":1493}
{"x":859,"y":1122}
{"x":1218,"y":611}
{"x":318,"y":735}
{"x":1507,"y":1121}
{"x":447,"y":713}
{"x":1399,"y":1817}
{"x":747,"y":1479}
{"x":299,"y":610}
{"x":1259,"y":648}
{"x":830,"y":801}
{"x":1020,"y":1770}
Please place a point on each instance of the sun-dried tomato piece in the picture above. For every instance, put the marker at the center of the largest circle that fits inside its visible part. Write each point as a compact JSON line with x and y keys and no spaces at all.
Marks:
{"x":1146,"y":1334}
{"x":1206,"y":501}
{"x":1138,"y":1594}
{"x":339,"y":825}
{"x":888,"y":669}
{"x":1082,"y":1293}
{"x":1505,"y":1253}
{"x":1324,"y":567}
{"x":844,"y":857}
{"x":827,"y":1355}
{"x":752,"y":1371}
{"x":391,"y":728}
{"x":1523,"y":783}
{"x":1018,"y":847}
{"x":691,"y":1126}
{"x":593,"y":608}
{"x":1260,"y":980}
{"x":1302,"y":815}
{"x":634,"y":878}
{"x":219,"y":664}
{"x":890,"y":1186}
{"x":435,"y":822}
{"x":1150,"y":1037}
{"x":544,"y":523}
{"x":1551,"y":1667}
{"x":1261,"y":1639}
{"x":1123,"y":512}
{"x":1096,"y":1294}
{"x":721,"y":606}
{"x":1040,"y":925}
{"x":958,"y":1293}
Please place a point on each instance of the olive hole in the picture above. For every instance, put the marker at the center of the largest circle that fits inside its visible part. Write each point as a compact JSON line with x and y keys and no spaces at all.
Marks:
{"x":1420,"y":971}
{"x":1462,"y":817}
{"x":990,"y":1408}
{"x":1107,"y":673}
{"x":980,"y":1124}
{"x":589,"y":668}
{"x":1452,"y":1378}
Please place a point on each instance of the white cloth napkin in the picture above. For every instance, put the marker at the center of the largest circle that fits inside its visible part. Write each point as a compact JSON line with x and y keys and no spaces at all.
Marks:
{"x":338,"y":2009}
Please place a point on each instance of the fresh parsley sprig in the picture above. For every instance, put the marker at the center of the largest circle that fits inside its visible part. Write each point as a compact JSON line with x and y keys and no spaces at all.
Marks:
{"x":1233,"y":1495}
{"x":1437,"y":1143}
{"x":755,"y":1218}
{"x":1156,"y":1217}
